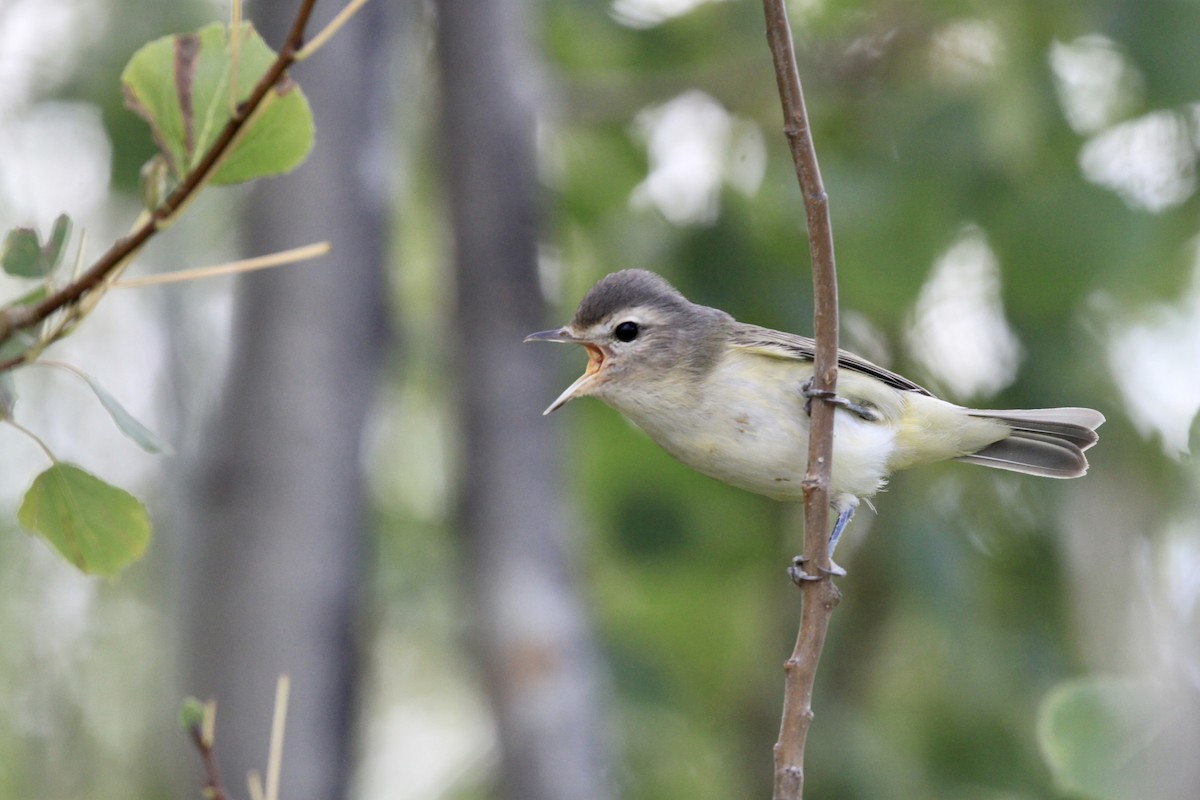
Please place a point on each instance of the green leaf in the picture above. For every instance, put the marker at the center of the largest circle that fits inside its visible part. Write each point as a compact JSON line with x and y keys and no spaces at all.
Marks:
{"x":96,"y":526}
{"x":24,"y":256}
{"x":128,"y":424}
{"x":180,"y":86}
{"x":56,"y":245}
{"x":21,"y":254}
{"x":1120,"y":738}
{"x":278,"y":141}
{"x":191,"y":714}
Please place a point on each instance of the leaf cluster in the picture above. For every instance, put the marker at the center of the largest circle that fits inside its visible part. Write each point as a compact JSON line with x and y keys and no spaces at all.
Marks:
{"x":221,"y":110}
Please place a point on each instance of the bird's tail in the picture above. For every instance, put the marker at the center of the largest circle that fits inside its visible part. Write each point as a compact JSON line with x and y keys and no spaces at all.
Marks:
{"x":1044,"y":441}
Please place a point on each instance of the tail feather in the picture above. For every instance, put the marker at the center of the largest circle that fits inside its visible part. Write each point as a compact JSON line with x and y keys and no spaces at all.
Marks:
{"x":1045,"y":441}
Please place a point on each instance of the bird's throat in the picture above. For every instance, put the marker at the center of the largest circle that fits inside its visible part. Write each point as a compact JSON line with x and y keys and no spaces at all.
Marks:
{"x":595,"y":359}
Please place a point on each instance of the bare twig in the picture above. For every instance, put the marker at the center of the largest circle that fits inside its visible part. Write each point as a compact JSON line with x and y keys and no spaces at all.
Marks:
{"x":820,"y":596}
{"x":202,"y":737}
{"x":283,"y":688}
{"x":329,"y":30}
{"x":125,"y":248}
{"x":293,"y":256}
{"x":202,"y":733}
{"x":36,"y":439}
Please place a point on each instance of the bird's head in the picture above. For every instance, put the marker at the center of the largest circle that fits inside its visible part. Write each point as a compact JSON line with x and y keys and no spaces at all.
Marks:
{"x":638,"y":332}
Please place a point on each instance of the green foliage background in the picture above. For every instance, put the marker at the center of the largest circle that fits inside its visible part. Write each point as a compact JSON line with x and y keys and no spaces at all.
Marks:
{"x":971,"y":595}
{"x":964,"y":605}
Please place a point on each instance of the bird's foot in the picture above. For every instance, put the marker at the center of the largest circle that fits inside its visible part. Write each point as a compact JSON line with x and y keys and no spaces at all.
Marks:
{"x":860,"y":410}
{"x":800,"y":576}
{"x":797,"y":572}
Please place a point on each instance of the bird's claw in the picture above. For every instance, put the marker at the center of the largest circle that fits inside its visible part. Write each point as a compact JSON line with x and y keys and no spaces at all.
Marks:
{"x":834,"y":571}
{"x":799,"y":575}
{"x":860,"y":410}
{"x":807,"y":390}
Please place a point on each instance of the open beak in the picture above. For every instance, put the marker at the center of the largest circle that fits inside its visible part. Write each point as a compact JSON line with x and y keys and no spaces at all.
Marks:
{"x":584,"y":382}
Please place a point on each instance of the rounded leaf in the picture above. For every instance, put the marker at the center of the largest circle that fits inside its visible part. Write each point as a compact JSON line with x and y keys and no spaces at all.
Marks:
{"x":1121,"y":738}
{"x":96,"y":526}
{"x":24,"y":256}
{"x":21,"y":253}
{"x":181,"y":86}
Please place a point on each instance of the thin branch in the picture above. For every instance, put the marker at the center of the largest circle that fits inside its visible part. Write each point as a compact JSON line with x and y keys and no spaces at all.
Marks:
{"x":202,"y":737}
{"x":283,"y":688}
{"x":208,"y":725}
{"x":329,"y":30}
{"x":820,"y":596}
{"x":123,"y":250}
{"x":283,"y":257}
{"x":37,"y":439}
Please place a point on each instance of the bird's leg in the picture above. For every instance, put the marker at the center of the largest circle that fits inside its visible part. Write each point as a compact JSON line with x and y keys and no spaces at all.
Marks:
{"x":860,"y":410}
{"x":797,"y":572}
{"x":843,"y":520}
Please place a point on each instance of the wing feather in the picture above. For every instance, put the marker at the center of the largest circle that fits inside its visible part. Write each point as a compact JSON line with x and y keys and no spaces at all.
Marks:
{"x":790,"y":345}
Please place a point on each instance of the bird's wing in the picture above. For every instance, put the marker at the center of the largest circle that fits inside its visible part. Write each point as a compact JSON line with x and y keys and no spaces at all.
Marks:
{"x":789,"y":345}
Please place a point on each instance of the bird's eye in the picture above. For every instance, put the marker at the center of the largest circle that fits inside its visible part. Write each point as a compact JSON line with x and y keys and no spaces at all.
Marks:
{"x":626,"y":332}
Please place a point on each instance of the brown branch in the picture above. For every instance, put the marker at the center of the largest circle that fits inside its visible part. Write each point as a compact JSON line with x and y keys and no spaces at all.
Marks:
{"x":19,"y":318}
{"x":820,"y":596}
{"x":213,"y":788}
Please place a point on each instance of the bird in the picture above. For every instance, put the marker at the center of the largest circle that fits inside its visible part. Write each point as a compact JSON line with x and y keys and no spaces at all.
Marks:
{"x":732,"y":401}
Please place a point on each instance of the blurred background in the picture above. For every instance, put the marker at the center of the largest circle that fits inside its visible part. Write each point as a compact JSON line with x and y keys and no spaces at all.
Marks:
{"x":476,"y":602}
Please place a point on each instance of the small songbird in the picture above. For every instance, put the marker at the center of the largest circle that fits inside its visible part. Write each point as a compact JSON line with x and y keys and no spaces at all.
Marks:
{"x":731,"y":400}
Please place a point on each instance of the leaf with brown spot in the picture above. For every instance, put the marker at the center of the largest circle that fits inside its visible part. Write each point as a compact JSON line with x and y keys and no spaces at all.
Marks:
{"x":180,"y":86}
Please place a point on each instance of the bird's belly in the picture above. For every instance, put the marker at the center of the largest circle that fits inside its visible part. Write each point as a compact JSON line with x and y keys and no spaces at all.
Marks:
{"x":748,"y":448}
{"x":861,"y":452}
{"x":760,"y":444}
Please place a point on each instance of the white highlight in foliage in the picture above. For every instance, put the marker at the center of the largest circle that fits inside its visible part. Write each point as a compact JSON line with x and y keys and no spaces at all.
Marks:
{"x":62,"y":157}
{"x":648,"y":13}
{"x":41,"y":43}
{"x":694,"y":147}
{"x":1154,"y":360}
{"x":966,"y":51}
{"x":1097,"y":85}
{"x":958,"y":331}
{"x":1180,"y":563}
{"x":1149,"y":161}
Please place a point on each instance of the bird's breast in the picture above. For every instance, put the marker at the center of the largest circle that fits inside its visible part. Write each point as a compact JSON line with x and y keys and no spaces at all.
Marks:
{"x":745,"y":424}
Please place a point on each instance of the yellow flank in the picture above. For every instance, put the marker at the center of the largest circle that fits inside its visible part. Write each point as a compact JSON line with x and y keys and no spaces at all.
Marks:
{"x":934,"y":430}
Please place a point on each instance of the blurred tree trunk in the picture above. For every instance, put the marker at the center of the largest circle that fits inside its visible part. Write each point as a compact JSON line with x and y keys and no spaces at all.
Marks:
{"x":274,"y":518}
{"x":534,"y":638}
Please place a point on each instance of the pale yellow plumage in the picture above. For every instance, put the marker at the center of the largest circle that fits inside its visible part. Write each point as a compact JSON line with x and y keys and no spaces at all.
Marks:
{"x":728,"y":399}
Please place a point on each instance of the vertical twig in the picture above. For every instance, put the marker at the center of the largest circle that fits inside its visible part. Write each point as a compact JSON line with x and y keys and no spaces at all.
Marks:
{"x":283,"y":688}
{"x":820,"y":596}
{"x":202,"y":736}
